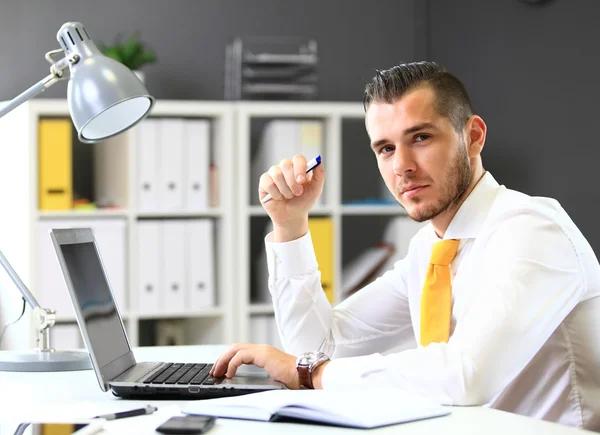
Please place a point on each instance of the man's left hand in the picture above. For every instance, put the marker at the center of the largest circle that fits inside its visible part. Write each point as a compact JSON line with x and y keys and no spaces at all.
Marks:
{"x":279,"y":365}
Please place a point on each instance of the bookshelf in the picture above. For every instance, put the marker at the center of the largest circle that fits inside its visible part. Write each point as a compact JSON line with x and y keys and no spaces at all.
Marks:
{"x":355,"y":205}
{"x":357,"y":223}
{"x":115,"y":167}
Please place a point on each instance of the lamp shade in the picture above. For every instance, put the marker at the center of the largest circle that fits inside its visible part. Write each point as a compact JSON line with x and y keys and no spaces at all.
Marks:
{"x":105,"y":97}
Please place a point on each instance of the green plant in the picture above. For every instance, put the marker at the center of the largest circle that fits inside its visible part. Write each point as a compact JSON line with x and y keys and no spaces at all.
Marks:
{"x":132,"y":53}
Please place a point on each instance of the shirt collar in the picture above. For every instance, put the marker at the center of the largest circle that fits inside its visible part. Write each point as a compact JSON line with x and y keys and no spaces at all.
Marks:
{"x":474,"y":210}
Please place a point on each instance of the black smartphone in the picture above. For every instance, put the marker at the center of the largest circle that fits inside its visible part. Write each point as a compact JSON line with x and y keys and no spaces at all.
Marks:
{"x":189,"y":424}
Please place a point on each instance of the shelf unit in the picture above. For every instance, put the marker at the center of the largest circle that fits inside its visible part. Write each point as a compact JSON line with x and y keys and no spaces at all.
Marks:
{"x":346,"y":153}
{"x":19,"y":221}
{"x":334,"y":116}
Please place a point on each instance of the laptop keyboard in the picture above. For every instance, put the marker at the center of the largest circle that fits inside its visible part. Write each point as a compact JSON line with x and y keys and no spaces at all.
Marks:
{"x":178,"y":373}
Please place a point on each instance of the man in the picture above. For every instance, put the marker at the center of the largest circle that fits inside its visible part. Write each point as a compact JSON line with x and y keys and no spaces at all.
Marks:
{"x":500,"y":289}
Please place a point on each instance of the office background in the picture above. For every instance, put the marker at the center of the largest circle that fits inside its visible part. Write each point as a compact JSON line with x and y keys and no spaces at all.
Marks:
{"x":531,"y":69}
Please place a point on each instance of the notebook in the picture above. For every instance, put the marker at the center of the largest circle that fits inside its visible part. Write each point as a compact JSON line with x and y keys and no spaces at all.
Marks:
{"x":358,"y":408}
{"x":104,"y":335}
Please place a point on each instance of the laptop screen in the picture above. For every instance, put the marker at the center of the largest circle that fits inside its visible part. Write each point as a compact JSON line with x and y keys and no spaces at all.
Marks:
{"x":99,"y":312}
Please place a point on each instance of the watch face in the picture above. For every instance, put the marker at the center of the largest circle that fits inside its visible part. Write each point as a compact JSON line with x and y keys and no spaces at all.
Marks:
{"x":309,"y":358}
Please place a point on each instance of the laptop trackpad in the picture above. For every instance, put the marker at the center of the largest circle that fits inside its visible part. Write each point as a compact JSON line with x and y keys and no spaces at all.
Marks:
{"x":248,"y":370}
{"x":258,"y":381}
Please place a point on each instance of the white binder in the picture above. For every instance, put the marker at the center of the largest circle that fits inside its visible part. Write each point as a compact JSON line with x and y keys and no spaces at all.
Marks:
{"x":173,"y":264}
{"x":170,"y":168}
{"x":66,"y":336}
{"x":282,"y":139}
{"x":259,"y":329}
{"x":274,"y":339}
{"x":148,"y":161}
{"x":196,"y":164}
{"x":200,"y":264}
{"x":53,"y":293}
{"x":110,"y":237}
{"x":149,"y":265}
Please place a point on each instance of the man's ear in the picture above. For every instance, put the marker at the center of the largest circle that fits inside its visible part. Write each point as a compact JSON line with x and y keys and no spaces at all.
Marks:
{"x":476,"y":131}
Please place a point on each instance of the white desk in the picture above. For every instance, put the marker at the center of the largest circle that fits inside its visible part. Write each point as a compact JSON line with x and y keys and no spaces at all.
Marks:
{"x":36,"y":396}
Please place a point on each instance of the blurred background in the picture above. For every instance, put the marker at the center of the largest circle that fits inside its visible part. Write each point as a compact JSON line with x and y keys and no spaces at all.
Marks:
{"x":531,"y":68}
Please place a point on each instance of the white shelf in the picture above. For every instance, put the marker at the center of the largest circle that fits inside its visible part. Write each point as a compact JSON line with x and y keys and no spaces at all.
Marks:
{"x":207,"y":312}
{"x":83,"y":214}
{"x":230,"y":128}
{"x":72,"y":319}
{"x":383,"y":209}
{"x":19,"y":229}
{"x":261,"y":309}
{"x":216,"y":212}
{"x":258,"y":210}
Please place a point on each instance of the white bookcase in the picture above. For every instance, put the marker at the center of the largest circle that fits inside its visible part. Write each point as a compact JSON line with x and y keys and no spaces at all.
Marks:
{"x":116,"y":170}
{"x":346,"y":152}
{"x":240,"y":221}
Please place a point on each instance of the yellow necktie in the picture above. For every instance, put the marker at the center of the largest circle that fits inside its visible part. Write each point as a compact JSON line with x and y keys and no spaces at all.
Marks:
{"x":436,"y":298}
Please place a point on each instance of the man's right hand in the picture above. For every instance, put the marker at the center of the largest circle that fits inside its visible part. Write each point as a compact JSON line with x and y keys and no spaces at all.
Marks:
{"x":294,"y":193}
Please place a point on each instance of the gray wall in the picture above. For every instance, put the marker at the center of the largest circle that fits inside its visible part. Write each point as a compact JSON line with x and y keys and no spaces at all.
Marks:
{"x":190,"y":38}
{"x":533,"y":72}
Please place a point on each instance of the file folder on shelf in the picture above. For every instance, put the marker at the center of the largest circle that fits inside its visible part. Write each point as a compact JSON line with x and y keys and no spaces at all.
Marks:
{"x":321,"y":231}
{"x":66,"y":336}
{"x":200,"y":264}
{"x":196,"y":164}
{"x":147,"y":159}
{"x":149,"y":265}
{"x":170,"y":167}
{"x":173,"y":279}
{"x":259,"y":329}
{"x":110,"y":235}
{"x":282,"y":139}
{"x":55,"y":164}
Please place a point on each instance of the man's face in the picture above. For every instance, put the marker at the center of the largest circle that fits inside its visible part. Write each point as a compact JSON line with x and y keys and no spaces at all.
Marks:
{"x":422,"y":159}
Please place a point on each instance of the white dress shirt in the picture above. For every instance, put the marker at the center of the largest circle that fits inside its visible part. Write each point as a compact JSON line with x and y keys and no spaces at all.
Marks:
{"x":525,"y":328}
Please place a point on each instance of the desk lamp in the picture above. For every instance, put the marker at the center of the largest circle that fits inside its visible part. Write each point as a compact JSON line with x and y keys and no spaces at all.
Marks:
{"x":105,"y":99}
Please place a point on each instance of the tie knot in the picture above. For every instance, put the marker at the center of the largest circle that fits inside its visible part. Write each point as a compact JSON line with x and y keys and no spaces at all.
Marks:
{"x":444,"y":252}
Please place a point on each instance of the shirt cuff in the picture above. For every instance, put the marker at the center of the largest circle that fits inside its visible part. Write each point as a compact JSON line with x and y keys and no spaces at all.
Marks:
{"x":289,"y":259}
{"x":344,"y":372}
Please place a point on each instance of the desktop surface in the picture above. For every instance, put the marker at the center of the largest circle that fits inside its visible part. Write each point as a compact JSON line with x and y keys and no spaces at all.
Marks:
{"x":55,"y":395}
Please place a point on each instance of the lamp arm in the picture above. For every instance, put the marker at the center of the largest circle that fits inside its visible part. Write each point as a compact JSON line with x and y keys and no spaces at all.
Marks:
{"x":36,"y":89}
{"x":56,"y":74}
{"x":44,"y":317}
{"x":18,"y":282}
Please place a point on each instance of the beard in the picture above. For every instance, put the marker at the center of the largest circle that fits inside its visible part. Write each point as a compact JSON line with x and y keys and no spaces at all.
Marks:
{"x":455,"y":183}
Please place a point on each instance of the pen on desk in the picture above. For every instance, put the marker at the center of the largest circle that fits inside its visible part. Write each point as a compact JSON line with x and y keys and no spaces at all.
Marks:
{"x":312,"y":164}
{"x":133,"y":413}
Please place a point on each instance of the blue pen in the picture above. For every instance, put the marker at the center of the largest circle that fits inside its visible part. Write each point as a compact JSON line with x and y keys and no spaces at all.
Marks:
{"x":310,"y":166}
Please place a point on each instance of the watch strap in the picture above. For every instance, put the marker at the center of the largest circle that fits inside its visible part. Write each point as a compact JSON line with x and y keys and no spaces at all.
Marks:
{"x":305,"y":377}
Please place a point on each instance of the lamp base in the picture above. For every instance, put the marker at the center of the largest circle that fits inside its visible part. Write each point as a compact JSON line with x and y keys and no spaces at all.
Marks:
{"x":36,"y":361}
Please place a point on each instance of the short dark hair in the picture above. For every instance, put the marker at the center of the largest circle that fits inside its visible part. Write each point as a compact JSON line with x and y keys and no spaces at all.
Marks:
{"x":452,"y":99}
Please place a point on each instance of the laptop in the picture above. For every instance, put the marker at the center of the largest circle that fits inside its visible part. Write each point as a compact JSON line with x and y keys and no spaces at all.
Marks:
{"x":106,"y":340}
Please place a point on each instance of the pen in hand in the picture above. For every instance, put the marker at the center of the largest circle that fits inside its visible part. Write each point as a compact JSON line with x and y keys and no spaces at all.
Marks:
{"x":124,"y":414}
{"x":309,"y":167}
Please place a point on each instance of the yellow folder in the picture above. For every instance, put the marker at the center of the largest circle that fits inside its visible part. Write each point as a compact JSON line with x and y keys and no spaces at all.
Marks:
{"x":321,"y":231}
{"x":55,"y":167}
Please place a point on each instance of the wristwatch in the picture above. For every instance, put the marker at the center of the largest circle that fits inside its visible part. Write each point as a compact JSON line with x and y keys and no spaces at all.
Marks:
{"x":305,"y":364}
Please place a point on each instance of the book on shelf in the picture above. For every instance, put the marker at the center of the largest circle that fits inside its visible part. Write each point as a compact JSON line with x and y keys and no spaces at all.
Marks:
{"x":361,"y":270}
{"x":321,"y":232}
{"x":355,"y":408}
{"x":55,"y":164}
